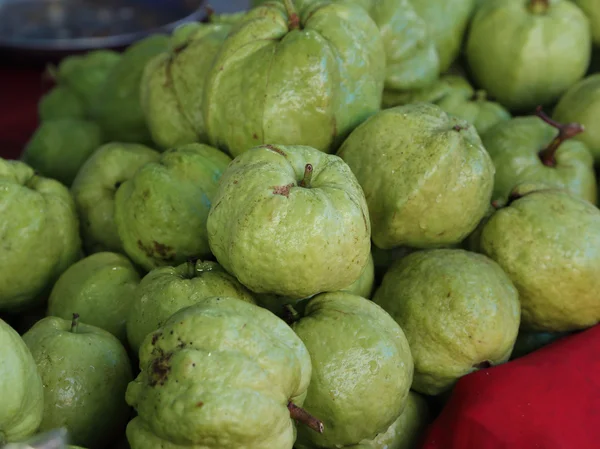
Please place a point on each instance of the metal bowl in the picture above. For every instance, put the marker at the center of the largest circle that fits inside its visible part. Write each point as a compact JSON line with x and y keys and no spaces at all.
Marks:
{"x":46,"y":30}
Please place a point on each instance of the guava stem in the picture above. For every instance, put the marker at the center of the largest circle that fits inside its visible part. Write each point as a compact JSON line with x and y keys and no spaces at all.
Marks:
{"x":480,"y":95}
{"x":539,"y":6}
{"x":293,"y":17}
{"x":75,"y":323}
{"x":290,"y":315}
{"x":302,"y":416}
{"x":565,"y":132}
{"x":308,"y":172}
{"x":191,"y":268}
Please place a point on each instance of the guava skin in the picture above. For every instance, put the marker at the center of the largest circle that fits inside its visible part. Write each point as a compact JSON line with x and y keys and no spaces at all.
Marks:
{"x":161,"y":211}
{"x":100,"y":288}
{"x":591,"y":8}
{"x":460,"y":312}
{"x":444,"y":86}
{"x":20,"y":388}
{"x":406,"y":431}
{"x":85,"y":372}
{"x":60,"y":103}
{"x":317,"y":236}
{"x":40,"y":235}
{"x":515,"y":148}
{"x":557,"y":273}
{"x":166,"y":290}
{"x":331,"y":68}
{"x":172,"y":86}
{"x":417,"y":166}
{"x":58,"y":148}
{"x":362,"y":369}
{"x":218,"y":375}
{"x":363,"y":286}
{"x":94,"y":189}
{"x":526,"y":53}
{"x":581,"y":104}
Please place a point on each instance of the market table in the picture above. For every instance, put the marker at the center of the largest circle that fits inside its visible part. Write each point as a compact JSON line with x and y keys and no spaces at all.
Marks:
{"x":549,"y":399}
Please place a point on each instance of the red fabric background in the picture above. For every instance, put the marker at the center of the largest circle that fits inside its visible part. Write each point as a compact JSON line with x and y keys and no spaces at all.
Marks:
{"x":547,"y":400}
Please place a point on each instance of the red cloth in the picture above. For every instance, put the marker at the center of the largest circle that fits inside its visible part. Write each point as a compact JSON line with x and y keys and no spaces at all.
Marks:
{"x":549,"y":399}
{"x":20,"y":91}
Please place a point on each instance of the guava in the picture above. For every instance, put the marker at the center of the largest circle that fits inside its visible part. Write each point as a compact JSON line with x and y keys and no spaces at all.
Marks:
{"x":581,"y":104}
{"x":94,"y":189}
{"x":166,"y":290}
{"x":290,"y":221}
{"x":60,"y":103}
{"x":58,"y":148}
{"x":504,"y":57}
{"x":116,"y":105}
{"x":20,"y":388}
{"x":85,"y":371}
{"x":425,"y":174}
{"x":328,"y":58}
{"x":220,"y":374}
{"x":444,"y":86}
{"x":39,"y":235}
{"x":362,"y":369}
{"x":591,"y":8}
{"x":537,"y":149}
{"x":460,"y":313}
{"x":161,"y":211}
{"x":100,"y":288}
{"x":548,"y":242}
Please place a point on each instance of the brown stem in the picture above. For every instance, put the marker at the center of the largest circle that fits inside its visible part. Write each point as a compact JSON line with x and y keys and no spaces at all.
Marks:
{"x":308,"y":172}
{"x":302,"y":416}
{"x":290,"y":315}
{"x":539,"y":6}
{"x":565,"y":132}
{"x":75,"y":323}
{"x":293,"y":17}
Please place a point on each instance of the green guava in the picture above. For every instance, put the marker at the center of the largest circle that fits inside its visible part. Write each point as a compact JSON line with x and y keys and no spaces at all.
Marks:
{"x":504,"y":56}
{"x":39,"y":235}
{"x":460,"y":313}
{"x":426,"y":175}
{"x":220,"y":374}
{"x":537,"y":149}
{"x":60,"y":103}
{"x":290,"y":221}
{"x":433,"y":93}
{"x":161,"y":211}
{"x":94,"y":189}
{"x":166,"y":290}
{"x":85,"y":371}
{"x":20,"y":388}
{"x":591,"y":8}
{"x":329,"y":60}
{"x":581,"y":104}
{"x":100,"y":288}
{"x":58,"y":148}
{"x":362,"y":369}
{"x":548,"y":242}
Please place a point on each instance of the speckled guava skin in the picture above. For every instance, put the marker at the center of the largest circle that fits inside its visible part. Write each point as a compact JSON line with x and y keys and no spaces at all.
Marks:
{"x":39,"y":234}
{"x":172,"y":86}
{"x":100,"y":288}
{"x":459,"y":311}
{"x":279,"y":237}
{"x":418,"y":166}
{"x":581,"y":104}
{"x":161,"y":211}
{"x":362,"y":369}
{"x":515,"y":148}
{"x":218,"y":375}
{"x":166,"y":290}
{"x":20,"y":388}
{"x":331,"y":70}
{"x":526,"y":53}
{"x":548,"y":242}
{"x":363,"y":286}
{"x":85,"y":372}
{"x":94,"y":189}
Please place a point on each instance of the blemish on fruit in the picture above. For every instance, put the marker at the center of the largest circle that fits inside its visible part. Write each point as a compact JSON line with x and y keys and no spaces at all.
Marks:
{"x":275,"y":149}
{"x":283,"y":190}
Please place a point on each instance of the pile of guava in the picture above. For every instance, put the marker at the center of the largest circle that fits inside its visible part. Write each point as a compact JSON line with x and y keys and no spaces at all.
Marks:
{"x":298,"y":226}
